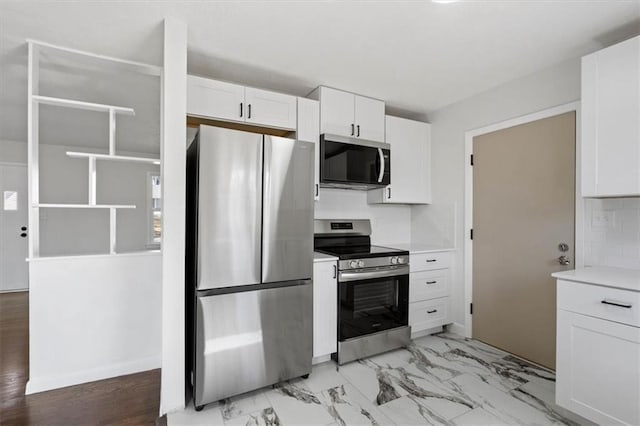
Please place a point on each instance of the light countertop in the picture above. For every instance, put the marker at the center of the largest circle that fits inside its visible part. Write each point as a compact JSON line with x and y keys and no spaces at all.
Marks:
{"x":627,"y":279}
{"x":321,"y":257}
{"x":419,"y":247}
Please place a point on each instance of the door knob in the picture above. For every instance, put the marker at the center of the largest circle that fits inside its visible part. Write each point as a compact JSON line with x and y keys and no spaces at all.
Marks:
{"x":564,"y":260}
{"x":23,"y":228}
{"x":23,"y":235}
{"x":563,"y":247}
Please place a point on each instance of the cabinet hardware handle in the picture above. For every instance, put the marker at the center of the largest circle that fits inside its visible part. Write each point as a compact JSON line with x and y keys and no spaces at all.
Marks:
{"x":249,"y":111}
{"x":240,"y":109}
{"x":352,"y":129}
{"x":317,"y":189}
{"x":431,"y":260}
{"x":335,"y":272}
{"x":388,"y":193}
{"x":433,"y":311}
{"x":358,"y":134}
{"x":618,"y":304}
{"x":431,"y":282}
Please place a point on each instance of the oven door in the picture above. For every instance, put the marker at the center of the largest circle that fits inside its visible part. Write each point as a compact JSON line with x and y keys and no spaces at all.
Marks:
{"x":353,"y":163}
{"x":372,"y":304}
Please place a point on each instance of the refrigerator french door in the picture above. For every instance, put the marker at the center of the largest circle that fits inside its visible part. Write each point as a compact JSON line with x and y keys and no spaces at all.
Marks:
{"x":250,"y":261}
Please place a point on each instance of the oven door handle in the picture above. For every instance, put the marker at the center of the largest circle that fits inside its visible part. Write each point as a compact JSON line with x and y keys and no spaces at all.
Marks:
{"x":346,"y":276}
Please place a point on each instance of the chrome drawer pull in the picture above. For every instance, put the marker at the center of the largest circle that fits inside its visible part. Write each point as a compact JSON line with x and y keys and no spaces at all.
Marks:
{"x":432,"y":311}
{"x":618,"y":304}
{"x":431,"y":282}
{"x":431,"y":260}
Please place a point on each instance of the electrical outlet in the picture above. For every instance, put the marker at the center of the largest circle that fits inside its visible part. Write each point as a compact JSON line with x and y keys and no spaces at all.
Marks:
{"x":602,"y":219}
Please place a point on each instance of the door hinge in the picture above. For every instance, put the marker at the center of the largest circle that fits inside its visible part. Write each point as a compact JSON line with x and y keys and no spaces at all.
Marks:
{"x":472,"y":159}
{"x":471,"y":308}
{"x":471,"y":234}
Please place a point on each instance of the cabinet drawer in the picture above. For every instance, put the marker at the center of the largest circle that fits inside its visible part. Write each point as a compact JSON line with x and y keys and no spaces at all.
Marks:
{"x":429,"y":313}
{"x":612,"y":304}
{"x":429,"y":261}
{"x":425,"y":285}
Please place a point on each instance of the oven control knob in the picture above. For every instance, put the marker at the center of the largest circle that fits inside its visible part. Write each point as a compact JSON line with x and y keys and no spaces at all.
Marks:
{"x":394,"y":260}
{"x":353,"y":264}
{"x":401,"y":260}
{"x":360,"y":264}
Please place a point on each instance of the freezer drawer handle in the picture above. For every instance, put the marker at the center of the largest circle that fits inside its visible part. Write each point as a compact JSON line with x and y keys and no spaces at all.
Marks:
{"x":433,"y":311}
{"x":431,"y":282}
{"x":618,"y":304}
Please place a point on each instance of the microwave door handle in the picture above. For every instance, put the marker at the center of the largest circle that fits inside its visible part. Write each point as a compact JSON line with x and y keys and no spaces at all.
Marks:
{"x":381,"y":175}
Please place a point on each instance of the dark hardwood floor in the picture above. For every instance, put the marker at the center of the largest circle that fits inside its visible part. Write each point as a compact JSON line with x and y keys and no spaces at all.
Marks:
{"x":132,"y":399}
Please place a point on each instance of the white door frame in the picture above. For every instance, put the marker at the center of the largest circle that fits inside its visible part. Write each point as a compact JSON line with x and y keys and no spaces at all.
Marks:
{"x":468,"y":194}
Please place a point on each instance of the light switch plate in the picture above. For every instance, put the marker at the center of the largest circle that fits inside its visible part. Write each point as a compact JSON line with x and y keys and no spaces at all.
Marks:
{"x":602,"y":219}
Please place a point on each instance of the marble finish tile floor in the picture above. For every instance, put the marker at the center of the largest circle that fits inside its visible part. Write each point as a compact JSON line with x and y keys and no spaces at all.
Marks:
{"x":443,"y":379}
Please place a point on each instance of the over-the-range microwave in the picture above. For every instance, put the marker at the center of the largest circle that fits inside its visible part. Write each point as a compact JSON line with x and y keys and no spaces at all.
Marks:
{"x":353,"y":163}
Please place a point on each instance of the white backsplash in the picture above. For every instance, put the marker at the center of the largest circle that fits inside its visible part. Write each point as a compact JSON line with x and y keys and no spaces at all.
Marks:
{"x":389,"y":223}
{"x":612,"y":232}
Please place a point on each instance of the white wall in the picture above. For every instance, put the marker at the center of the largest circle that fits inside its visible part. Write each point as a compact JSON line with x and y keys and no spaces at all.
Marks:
{"x":390,"y":223}
{"x":93,"y":317}
{"x":612,"y":232}
{"x":64,"y":180}
{"x":554,"y":86}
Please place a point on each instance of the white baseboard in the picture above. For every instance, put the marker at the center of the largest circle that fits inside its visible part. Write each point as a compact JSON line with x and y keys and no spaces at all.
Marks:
{"x":456,"y":328}
{"x":41,"y":384}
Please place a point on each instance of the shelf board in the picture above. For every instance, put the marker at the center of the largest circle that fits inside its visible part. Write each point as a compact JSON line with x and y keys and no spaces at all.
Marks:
{"x":75,"y":154}
{"x":70,"y":103}
{"x":85,"y":206}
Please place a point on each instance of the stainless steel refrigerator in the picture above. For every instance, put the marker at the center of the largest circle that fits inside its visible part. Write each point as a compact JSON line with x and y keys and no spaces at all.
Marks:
{"x":249,"y":261}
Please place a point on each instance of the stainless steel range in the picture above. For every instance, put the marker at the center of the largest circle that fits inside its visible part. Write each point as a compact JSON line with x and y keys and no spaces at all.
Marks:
{"x":373,"y":289}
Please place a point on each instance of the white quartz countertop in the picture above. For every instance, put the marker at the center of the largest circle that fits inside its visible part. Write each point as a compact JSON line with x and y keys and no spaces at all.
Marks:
{"x":321,"y":257}
{"x":628,"y":279}
{"x":419,"y":247}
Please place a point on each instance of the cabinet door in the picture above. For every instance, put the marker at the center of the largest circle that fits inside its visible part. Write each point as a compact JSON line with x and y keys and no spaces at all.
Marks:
{"x":369,"y":118}
{"x":308,"y":130}
{"x":325,"y":308}
{"x":270,"y":109}
{"x":598,"y":369}
{"x":215,"y":99}
{"x":410,"y":163}
{"x":611,"y":121}
{"x":336,"y":112}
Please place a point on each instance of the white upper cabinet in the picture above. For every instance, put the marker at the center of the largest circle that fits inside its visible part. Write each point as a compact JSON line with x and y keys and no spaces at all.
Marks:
{"x":346,"y":114}
{"x":369,"y":118}
{"x":219,"y":100}
{"x":309,"y":131}
{"x":410,"y":163}
{"x":271,"y":109}
{"x":215,"y":99}
{"x":611,"y":121}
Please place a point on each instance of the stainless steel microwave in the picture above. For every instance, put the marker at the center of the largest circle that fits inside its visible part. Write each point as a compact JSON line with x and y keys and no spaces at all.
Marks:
{"x":354,"y":163}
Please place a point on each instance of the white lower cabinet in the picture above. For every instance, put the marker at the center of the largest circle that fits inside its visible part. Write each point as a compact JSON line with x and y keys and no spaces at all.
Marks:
{"x":598,"y":353}
{"x":429,"y":289}
{"x":325,"y":308}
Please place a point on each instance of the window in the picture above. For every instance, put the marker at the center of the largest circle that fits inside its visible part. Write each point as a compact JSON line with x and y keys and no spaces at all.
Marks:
{"x":154,"y":211}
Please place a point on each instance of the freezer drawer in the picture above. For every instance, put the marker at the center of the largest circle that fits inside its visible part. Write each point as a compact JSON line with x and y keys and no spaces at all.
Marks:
{"x":252,"y":339}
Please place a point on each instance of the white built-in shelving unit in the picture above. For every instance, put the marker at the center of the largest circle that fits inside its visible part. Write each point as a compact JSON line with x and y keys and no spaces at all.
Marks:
{"x":35,"y":100}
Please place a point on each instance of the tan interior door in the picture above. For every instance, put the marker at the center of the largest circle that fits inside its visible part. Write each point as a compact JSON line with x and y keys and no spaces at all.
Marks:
{"x":523,"y":209}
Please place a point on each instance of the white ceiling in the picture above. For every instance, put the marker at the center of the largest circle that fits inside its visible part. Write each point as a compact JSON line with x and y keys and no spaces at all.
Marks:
{"x":416,"y":55}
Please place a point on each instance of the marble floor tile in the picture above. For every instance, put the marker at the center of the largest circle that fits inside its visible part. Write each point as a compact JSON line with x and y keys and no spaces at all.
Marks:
{"x":349,"y":407}
{"x":324,"y":376}
{"x":210,"y":415}
{"x":542,"y":398}
{"x":296,"y":405}
{"x":244,"y":404}
{"x":407,"y":410}
{"x":445,"y":342}
{"x":478,"y":417}
{"x":502,"y":405}
{"x":530,"y":372}
{"x":265,"y":417}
